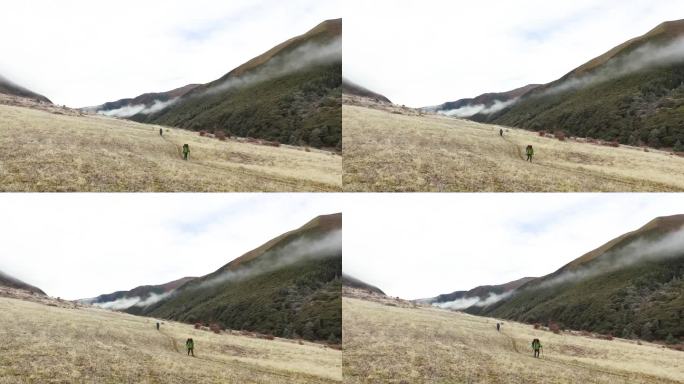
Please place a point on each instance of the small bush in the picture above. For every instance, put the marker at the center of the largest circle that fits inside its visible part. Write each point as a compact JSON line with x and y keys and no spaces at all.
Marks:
{"x":198,"y":325}
{"x":554,"y":327}
{"x":202,"y":133}
{"x":220,"y":135}
{"x":307,"y":149}
{"x":560,"y":135}
{"x":542,"y":133}
{"x":301,"y":342}
{"x":215,"y":328}
{"x":537,"y":325}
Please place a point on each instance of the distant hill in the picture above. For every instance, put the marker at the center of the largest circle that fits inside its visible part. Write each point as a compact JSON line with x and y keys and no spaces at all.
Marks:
{"x":290,"y":286}
{"x":629,"y":287}
{"x":352,"y":282}
{"x":145,"y":103}
{"x":483,"y":104}
{"x":9,"y":88}
{"x":351,"y":88}
{"x":136,"y":299}
{"x":291,"y":94}
{"x":478,"y":296}
{"x":632,"y":94}
{"x":11,"y":282}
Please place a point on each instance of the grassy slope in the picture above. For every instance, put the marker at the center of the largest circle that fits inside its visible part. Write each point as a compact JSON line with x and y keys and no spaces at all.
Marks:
{"x":641,"y":300}
{"x":42,"y":343}
{"x":50,"y":152}
{"x":298,"y":108}
{"x":644,"y":107}
{"x":300,"y":299}
{"x":384,"y":343}
{"x":400,"y":151}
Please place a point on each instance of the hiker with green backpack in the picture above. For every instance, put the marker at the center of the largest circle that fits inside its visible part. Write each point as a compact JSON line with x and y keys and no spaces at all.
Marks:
{"x":536,"y":346}
{"x":190,"y":345}
{"x":186,"y":151}
{"x":529,"y":151}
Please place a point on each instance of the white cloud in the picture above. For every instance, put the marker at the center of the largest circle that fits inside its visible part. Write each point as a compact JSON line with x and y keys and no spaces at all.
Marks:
{"x":83,"y":53}
{"x":422,"y":53}
{"x":421,"y":245}
{"x":83,"y":245}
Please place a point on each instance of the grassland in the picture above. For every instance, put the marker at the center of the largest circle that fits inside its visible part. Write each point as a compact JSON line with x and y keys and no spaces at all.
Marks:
{"x":394,"y":343}
{"x":60,"y":342}
{"x":395,"y":149}
{"x":62,"y":151}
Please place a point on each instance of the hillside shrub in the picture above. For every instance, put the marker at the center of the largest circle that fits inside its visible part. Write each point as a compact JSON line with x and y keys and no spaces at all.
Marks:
{"x":220,"y":135}
{"x":216,"y":328}
{"x":542,"y":133}
{"x":198,"y":325}
{"x":202,"y":133}
{"x":560,"y":135}
{"x":537,"y":325}
{"x":554,"y":327}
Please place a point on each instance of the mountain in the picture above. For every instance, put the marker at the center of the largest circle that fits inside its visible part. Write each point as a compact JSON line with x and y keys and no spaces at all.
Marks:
{"x":475,"y":296}
{"x":11,"y":282}
{"x":9,"y":88}
{"x":632,"y":94}
{"x":291,"y":94}
{"x":348,"y":281}
{"x":288,"y":287}
{"x":486,"y":102}
{"x":629,"y":287}
{"x":145,"y":103}
{"x":136,"y":299}
{"x":351,"y":88}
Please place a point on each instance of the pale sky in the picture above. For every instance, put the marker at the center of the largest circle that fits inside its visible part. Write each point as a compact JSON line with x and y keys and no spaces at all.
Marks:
{"x":422,"y":245}
{"x":83,"y":245}
{"x":84,"y":53}
{"x":423,"y":53}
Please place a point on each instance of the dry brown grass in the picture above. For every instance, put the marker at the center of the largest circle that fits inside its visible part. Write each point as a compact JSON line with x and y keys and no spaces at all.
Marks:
{"x":43,"y":151}
{"x":394,"y":149}
{"x":54,"y":344}
{"x":389,"y":344}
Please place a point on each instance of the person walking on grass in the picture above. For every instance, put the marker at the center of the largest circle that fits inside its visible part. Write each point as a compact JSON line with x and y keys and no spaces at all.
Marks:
{"x":501,"y":132}
{"x":157,"y":326}
{"x":498,"y":327}
{"x":186,"y":151}
{"x":160,"y":132}
{"x":536,"y":346}
{"x":190,"y":345}
{"x":530,"y":152}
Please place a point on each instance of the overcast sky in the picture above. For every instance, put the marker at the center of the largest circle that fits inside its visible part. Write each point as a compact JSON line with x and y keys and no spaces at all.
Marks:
{"x":83,"y":245}
{"x":422,"y":53}
{"x":83,"y":53}
{"x":421,"y":245}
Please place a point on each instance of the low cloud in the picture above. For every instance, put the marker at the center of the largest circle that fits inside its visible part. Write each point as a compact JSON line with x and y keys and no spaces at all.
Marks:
{"x":644,"y":57}
{"x":471,"y":110}
{"x":132,"y":110}
{"x":467,"y":302}
{"x":128,"y":302}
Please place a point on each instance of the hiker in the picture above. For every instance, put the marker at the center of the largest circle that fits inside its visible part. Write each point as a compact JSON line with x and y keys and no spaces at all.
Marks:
{"x":160,"y":132}
{"x":536,"y":345}
{"x":501,"y":132}
{"x":498,"y":327}
{"x":157,"y":326}
{"x":186,"y":150}
{"x":190,"y":345}
{"x":530,"y":152}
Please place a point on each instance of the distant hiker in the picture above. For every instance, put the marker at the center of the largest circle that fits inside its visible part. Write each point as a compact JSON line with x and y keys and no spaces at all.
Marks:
{"x":498,"y":327}
{"x":536,"y":345}
{"x":501,"y":132}
{"x":157,"y":326}
{"x":530,"y":152}
{"x":190,"y":345}
{"x":160,"y":132}
{"x":186,"y":150}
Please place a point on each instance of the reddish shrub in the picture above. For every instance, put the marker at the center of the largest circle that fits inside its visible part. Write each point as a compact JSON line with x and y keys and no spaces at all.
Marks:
{"x":215,"y":328}
{"x":542,"y":133}
{"x":554,"y":327}
{"x":307,"y":149}
{"x":646,"y":150}
{"x":202,"y":133}
{"x":560,"y":135}
{"x":537,"y":325}
{"x":198,"y":325}
{"x":301,"y":342}
{"x":270,"y":143}
{"x":220,"y":135}
{"x":269,"y":337}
